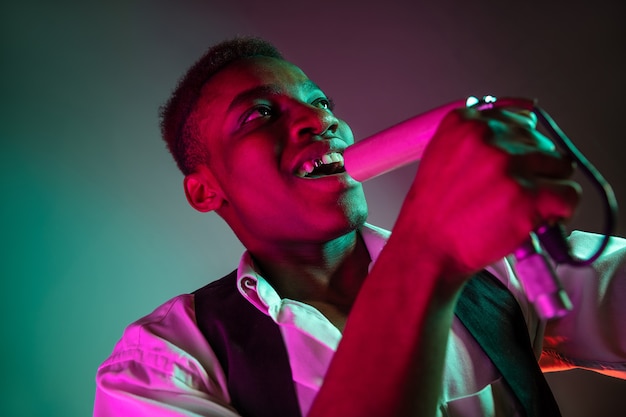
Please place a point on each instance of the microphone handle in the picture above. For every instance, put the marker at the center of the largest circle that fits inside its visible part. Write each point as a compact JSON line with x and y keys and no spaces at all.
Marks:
{"x":539,"y":280}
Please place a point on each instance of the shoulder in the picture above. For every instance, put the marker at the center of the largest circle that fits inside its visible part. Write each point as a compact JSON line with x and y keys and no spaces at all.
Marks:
{"x":171,"y":332}
{"x":159,"y":359}
{"x":168,"y":340}
{"x":160,"y":336}
{"x":221,"y":286}
{"x":161,"y":348}
{"x":164,"y":323}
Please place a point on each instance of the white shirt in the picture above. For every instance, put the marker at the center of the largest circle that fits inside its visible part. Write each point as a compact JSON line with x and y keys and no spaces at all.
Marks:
{"x":163,"y":365}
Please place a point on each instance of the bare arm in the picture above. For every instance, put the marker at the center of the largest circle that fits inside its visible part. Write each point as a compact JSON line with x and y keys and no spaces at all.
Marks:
{"x":486,"y":180}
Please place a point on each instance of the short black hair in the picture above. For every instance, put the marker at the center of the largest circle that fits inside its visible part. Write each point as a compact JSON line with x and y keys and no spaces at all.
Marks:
{"x":177,"y":127}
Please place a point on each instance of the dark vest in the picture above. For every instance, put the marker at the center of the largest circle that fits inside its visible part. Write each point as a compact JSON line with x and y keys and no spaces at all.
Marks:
{"x":250,"y":348}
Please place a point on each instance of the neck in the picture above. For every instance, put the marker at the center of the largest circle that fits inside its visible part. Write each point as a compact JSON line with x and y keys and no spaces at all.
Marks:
{"x":331,"y":272}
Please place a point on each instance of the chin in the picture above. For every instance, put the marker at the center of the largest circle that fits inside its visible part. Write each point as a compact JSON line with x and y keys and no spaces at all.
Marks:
{"x":352,"y":220}
{"x":358,"y":221}
{"x":355,"y":213}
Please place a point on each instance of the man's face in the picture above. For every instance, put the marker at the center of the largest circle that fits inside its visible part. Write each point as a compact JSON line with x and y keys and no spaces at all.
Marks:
{"x":267,"y":128}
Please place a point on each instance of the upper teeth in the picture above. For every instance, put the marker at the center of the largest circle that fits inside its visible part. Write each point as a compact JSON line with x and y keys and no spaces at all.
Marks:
{"x":328,"y":158}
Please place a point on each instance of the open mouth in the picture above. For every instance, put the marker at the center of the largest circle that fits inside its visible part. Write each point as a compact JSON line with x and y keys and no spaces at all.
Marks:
{"x":329,"y":164}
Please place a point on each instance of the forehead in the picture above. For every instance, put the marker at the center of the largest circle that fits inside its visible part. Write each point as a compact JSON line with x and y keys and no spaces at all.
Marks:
{"x":255,"y":75}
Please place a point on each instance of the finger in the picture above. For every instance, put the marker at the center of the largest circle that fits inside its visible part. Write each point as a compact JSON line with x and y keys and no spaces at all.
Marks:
{"x":531,"y":118}
{"x":554,"y":200}
{"x":522,"y":117}
{"x":514,"y":135}
{"x":518,"y":140}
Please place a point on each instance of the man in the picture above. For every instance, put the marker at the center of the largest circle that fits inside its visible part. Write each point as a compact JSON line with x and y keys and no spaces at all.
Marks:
{"x":258,"y":144}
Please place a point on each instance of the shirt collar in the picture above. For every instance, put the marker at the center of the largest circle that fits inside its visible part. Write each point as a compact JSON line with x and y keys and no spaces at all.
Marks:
{"x":260,"y":293}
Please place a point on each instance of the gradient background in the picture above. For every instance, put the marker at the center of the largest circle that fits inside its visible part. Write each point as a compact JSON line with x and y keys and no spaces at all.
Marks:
{"x":96,"y":231}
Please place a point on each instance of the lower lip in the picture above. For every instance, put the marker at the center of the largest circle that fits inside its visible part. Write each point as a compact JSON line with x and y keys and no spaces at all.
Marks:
{"x":338,"y":181}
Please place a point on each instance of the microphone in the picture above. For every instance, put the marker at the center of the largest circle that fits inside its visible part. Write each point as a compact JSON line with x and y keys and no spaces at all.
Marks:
{"x":396,"y":146}
{"x":406,"y":141}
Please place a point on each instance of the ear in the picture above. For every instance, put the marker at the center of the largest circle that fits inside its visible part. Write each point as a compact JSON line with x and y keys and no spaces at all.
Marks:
{"x":202,"y":190}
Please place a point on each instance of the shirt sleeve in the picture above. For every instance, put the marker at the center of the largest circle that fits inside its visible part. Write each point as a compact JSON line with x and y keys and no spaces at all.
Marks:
{"x":163,"y":366}
{"x":593,"y":335}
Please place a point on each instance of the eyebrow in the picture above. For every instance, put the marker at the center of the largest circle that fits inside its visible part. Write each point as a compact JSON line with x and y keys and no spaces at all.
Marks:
{"x":267,"y":90}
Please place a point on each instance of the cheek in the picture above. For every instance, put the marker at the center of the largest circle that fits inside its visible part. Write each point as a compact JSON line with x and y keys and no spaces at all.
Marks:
{"x":251,"y":172}
{"x":345,"y":133}
{"x":249,"y":159}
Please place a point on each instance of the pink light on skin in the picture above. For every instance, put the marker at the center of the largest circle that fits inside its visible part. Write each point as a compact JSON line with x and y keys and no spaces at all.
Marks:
{"x":405,"y":142}
{"x":268,"y":122}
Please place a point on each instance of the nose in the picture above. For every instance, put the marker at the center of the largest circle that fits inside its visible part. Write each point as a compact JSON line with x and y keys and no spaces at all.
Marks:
{"x":310,"y":120}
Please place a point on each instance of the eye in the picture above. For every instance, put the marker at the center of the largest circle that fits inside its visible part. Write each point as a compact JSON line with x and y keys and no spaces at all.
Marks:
{"x":257,"y":112}
{"x":324,"y":103}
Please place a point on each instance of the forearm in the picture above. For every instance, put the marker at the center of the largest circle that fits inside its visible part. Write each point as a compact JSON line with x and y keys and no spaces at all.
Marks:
{"x":485,"y":181}
{"x":390,"y":359}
